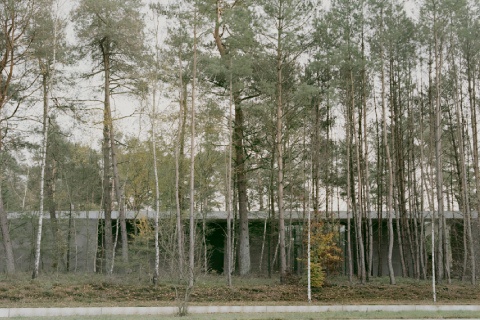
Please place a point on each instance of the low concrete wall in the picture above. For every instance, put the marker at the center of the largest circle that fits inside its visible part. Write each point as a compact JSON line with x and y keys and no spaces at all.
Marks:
{"x":99,"y":311}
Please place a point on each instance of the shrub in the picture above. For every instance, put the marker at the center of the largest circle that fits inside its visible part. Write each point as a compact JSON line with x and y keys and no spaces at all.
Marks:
{"x":325,"y":255}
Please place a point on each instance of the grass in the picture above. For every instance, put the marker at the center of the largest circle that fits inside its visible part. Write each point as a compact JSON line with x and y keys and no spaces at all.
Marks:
{"x":293,"y":316}
{"x":78,"y":290}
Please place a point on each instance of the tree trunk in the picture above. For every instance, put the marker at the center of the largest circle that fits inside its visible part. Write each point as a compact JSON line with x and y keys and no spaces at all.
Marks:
{"x":390,"y":170}
{"x":272,"y":237}
{"x":156,"y":270}
{"x":107,"y":201}
{"x":443,"y":256}
{"x":178,"y":166}
{"x":279,"y":143}
{"x":229,"y":190}
{"x":473,"y":115}
{"x":120,"y":197}
{"x":467,"y":228}
{"x":349,"y":197}
{"x":423,"y":253}
{"x":380,"y":169}
{"x":191,"y":250}
{"x":243,"y":256}
{"x":359,"y":205}
{"x":367,"y":183}
{"x":243,"y":253}
{"x":36,"y":267}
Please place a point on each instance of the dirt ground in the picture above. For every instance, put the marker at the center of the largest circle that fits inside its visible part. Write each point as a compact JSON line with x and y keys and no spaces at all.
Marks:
{"x":98,"y":290}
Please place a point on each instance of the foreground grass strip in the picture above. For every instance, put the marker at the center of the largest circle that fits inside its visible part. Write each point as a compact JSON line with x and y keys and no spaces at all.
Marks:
{"x":288,"y":316}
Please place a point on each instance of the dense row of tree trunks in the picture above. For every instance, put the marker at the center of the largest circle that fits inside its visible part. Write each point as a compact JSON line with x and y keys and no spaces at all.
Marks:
{"x":370,"y":61}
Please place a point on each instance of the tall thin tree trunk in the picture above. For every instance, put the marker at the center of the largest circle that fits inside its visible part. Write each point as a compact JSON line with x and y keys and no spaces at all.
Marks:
{"x":473,"y":115}
{"x":107,"y":200}
{"x":367,"y":182}
{"x":178,"y":160}
{"x":157,"y":190}
{"x":119,"y":195}
{"x":390,"y":170}
{"x":279,"y":144}
{"x":349,"y":196}
{"x":359,"y":205}
{"x":271,"y":238}
{"x":48,"y":73}
{"x":442,"y":258}
{"x":467,"y":229}
{"x":36,"y":267}
{"x":229,"y":189}
{"x":423,"y":255}
{"x":191,"y":254}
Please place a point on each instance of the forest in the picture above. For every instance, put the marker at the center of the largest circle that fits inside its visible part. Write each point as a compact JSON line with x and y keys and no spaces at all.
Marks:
{"x":186,"y":108}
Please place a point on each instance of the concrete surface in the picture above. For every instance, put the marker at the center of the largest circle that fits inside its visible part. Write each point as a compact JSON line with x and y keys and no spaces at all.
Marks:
{"x":97,"y":311}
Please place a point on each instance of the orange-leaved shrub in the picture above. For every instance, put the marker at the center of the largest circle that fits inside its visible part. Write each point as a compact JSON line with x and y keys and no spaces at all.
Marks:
{"x":325,"y":254}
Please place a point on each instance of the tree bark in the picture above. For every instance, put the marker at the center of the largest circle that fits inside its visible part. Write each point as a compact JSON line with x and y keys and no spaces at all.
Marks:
{"x":107,"y":201}
{"x":229,"y":191}
{"x":156,"y":270}
{"x":120,"y":196}
{"x":45,"y":86}
{"x":467,"y":228}
{"x":243,"y":253}
{"x":349,"y":197}
{"x":191,"y":251}
{"x":473,"y":115}
{"x":359,"y":205}
{"x":389,"y":167}
{"x":443,"y":246}
{"x":279,"y":144}
{"x":178,"y":171}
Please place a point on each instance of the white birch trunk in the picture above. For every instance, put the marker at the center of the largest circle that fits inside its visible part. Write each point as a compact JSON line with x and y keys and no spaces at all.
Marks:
{"x":48,"y":74}
{"x":179,"y":227}
{"x":156,"y":270}
{"x":229,"y":189}
{"x":38,"y":243}
{"x":192,"y":164}
{"x":157,"y":191}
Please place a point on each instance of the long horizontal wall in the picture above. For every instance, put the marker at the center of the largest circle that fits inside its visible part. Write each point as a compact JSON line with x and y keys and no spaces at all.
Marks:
{"x":222,"y":215}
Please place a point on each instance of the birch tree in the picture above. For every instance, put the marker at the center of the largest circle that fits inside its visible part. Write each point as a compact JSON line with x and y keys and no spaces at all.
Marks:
{"x":47,"y":32}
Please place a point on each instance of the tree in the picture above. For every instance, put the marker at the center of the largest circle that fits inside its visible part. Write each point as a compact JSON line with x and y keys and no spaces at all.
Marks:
{"x":325,"y":253}
{"x":48,"y":35}
{"x":112,"y":32}
{"x":15,"y":18}
{"x":436,"y":13}
{"x":235,"y":49}
{"x":287,"y":19}
{"x":191,"y":250}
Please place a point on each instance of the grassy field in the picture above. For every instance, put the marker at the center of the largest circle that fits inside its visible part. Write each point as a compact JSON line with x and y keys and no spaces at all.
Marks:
{"x":77,"y":290}
{"x":293,"y":316}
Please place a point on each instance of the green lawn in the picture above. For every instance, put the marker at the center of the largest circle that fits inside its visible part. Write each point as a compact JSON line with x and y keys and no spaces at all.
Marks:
{"x":291,"y":316}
